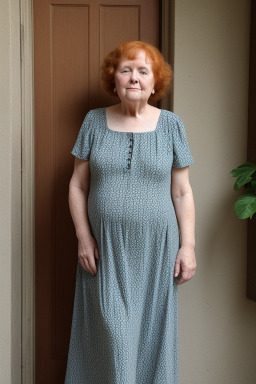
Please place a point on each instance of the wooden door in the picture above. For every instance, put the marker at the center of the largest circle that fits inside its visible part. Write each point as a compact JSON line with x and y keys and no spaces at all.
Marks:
{"x":251,"y":157}
{"x":71,"y":38}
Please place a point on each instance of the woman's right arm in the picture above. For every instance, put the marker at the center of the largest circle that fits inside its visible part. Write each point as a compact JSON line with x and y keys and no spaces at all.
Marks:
{"x":79,"y":187}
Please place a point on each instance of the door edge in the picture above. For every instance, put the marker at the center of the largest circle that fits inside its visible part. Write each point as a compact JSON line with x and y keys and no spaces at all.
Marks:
{"x":28,"y":196}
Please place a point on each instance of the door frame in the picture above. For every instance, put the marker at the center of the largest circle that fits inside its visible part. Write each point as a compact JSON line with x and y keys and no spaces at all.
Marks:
{"x":28,"y":167}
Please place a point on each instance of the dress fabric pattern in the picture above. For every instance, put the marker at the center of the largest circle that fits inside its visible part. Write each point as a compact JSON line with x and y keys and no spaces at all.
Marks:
{"x":125,"y":319}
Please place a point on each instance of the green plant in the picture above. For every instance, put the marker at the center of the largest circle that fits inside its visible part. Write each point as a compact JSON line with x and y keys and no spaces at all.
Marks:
{"x":245,"y":206}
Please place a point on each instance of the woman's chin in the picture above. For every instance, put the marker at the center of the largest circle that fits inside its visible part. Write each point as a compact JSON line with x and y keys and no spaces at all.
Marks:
{"x":132,"y":97}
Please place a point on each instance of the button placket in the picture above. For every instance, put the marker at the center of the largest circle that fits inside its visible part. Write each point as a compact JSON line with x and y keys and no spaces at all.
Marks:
{"x":129,"y":159}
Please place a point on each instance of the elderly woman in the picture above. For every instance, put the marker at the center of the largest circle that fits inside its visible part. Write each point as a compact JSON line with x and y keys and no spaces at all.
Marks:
{"x":134,"y":215}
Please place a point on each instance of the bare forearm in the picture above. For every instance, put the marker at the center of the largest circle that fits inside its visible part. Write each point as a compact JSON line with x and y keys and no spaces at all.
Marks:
{"x":78,"y":209}
{"x":185,"y":212}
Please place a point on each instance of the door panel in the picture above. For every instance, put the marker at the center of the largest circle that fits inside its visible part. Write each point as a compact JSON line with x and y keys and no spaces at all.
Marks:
{"x":71,"y":39}
{"x":251,"y":157}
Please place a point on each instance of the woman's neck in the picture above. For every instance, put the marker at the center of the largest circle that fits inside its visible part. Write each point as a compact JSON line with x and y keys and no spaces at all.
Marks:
{"x":133,"y":109}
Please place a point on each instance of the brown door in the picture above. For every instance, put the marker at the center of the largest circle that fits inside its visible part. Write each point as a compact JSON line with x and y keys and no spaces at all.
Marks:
{"x":251,"y":157}
{"x":71,"y":37}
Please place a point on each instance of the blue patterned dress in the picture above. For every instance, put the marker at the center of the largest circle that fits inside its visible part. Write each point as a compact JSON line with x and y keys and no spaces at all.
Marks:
{"x":125,"y":319}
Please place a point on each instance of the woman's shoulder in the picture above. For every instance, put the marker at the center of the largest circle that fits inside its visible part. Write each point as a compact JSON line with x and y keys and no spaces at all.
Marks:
{"x":171,"y":116}
{"x":91,"y":121}
{"x":94,"y":117}
{"x":95,"y":112}
{"x":173,"y":123}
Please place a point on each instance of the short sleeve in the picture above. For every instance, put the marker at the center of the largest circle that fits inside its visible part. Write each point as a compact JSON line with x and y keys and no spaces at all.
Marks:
{"x":181,"y":153}
{"x":83,"y":142}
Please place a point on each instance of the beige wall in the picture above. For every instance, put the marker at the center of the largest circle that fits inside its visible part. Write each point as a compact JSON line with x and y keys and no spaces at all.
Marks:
{"x":10,"y":201}
{"x":217,"y":322}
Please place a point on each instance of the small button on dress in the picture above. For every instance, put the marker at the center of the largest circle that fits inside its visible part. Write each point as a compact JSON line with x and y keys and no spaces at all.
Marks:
{"x":125,"y":319}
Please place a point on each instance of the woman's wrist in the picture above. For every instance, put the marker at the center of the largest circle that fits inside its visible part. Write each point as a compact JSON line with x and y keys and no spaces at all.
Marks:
{"x":188,"y":245}
{"x":86,"y":234}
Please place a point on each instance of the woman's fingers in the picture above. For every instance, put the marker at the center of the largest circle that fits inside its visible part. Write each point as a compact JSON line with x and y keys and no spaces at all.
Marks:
{"x":186,"y":275}
{"x":90,"y":267}
{"x":86,"y":256}
{"x":96,"y":252}
{"x":185,"y":265}
{"x":177,"y":268}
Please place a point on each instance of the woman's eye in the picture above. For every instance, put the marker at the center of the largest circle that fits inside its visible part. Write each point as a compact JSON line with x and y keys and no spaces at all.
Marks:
{"x":143,"y":72}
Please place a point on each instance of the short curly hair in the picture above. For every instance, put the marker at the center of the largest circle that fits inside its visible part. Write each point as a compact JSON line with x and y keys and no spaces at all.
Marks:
{"x":162,"y":71}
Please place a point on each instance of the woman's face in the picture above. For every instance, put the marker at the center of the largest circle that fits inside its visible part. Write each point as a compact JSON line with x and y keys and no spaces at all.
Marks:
{"x":134,"y":79}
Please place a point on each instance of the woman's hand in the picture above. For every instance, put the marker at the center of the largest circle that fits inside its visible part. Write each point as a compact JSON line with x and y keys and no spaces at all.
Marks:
{"x":87,"y":251}
{"x":185,"y":264}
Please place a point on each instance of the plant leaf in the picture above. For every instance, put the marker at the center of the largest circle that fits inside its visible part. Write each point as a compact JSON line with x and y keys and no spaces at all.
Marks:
{"x":241,"y":168}
{"x":242,"y":180}
{"x":245,"y":206}
{"x":244,"y":174}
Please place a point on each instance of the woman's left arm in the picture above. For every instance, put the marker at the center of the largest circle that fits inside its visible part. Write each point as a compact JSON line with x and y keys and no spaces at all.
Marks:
{"x":183,"y":201}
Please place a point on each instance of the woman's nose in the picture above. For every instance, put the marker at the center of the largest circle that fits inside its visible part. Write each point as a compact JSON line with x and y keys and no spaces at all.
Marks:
{"x":134,"y":77}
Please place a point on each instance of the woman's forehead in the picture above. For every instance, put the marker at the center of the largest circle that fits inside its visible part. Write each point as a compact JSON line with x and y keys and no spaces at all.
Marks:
{"x":138,"y":56}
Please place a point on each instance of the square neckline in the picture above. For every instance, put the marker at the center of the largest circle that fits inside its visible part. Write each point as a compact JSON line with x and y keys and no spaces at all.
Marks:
{"x":129,"y":132}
